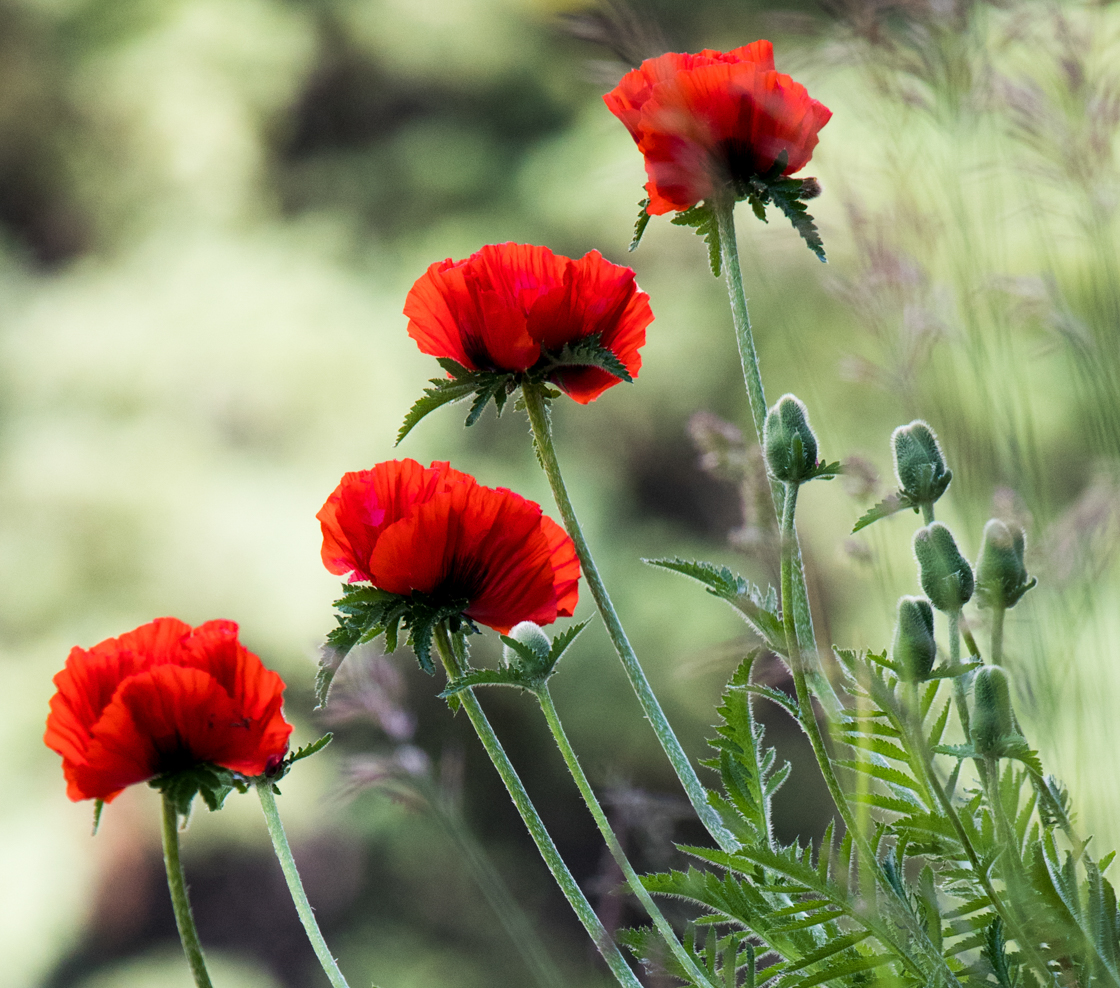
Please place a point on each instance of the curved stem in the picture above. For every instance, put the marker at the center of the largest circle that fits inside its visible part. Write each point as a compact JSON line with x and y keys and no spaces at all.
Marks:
{"x":546,"y":452}
{"x":960,"y":692}
{"x":568,"y":885}
{"x":177,"y":885}
{"x":548,"y":708}
{"x":724,"y":210}
{"x":295,"y":884}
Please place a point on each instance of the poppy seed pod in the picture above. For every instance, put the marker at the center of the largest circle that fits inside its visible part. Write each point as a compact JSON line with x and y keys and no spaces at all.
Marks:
{"x":918,"y":463}
{"x":992,"y":721}
{"x":527,"y":633}
{"x":914,"y":648}
{"x":946,"y":575}
{"x":1001,"y":576}
{"x":788,"y":441}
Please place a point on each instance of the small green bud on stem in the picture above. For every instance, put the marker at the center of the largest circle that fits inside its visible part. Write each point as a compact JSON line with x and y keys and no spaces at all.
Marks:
{"x":789,"y":442}
{"x":530,"y":634}
{"x":914,"y":648}
{"x":1001,"y":576}
{"x":992,"y":721}
{"x":918,"y":463}
{"x":946,"y":575}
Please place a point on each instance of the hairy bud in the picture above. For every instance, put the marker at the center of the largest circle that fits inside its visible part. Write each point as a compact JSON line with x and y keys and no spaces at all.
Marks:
{"x":1001,"y":576}
{"x":946,"y":575}
{"x":992,"y":721}
{"x":788,"y":441}
{"x":914,"y":648}
{"x":530,"y":634}
{"x":918,"y":463}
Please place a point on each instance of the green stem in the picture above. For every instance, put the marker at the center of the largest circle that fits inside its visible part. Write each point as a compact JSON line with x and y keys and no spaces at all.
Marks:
{"x":568,"y":885}
{"x":927,"y":512}
{"x":494,"y":889}
{"x":998,"y":612}
{"x":295,"y":884}
{"x":808,"y":720}
{"x":177,"y":884}
{"x":724,"y":210}
{"x":546,"y":452}
{"x":1010,"y":922}
{"x":960,"y":694}
{"x":619,"y":855}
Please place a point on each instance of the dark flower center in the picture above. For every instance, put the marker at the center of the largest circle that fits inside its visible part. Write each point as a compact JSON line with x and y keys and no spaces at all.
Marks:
{"x":736,"y":164}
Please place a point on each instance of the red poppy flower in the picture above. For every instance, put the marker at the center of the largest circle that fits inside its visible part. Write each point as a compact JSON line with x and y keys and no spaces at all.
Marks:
{"x":160,"y":699}
{"x":508,"y":306}
{"x":703,"y":121}
{"x":406,"y":528}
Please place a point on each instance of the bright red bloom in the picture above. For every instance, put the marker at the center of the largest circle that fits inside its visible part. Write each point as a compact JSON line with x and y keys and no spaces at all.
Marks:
{"x":160,"y":699}
{"x":706,"y":120}
{"x":405,"y":528}
{"x":508,"y":305}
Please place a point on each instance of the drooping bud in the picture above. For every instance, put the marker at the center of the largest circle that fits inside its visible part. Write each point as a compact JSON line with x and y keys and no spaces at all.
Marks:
{"x":531,"y":635}
{"x":992,"y":721}
{"x":788,"y":441}
{"x":946,"y":575}
{"x":918,"y":462}
{"x":914,"y":648}
{"x":1001,"y":576}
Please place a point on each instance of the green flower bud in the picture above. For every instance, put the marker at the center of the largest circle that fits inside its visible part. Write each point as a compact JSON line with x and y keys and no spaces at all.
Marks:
{"x":527,"y":633}
{"x":918,"y":463}
{"x":1001,"y":576}
{"x":946,"y":575}
{"x":788,"y":441}
{"x":992,"y":722}
{"x":914,"y":648}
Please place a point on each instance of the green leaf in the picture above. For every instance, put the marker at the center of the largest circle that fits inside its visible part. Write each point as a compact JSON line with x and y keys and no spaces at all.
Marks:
{"x":757,"y":609}
{"x":586,"y":352}
{"x":98,"y":806}
{"x":440,"y":393}
{"x":785,"y":195}
{"x":212,"y":782}
{"x":703,"y":220}
{"x":890,"y":505}
{"x":492,"y":677}
{"x":640,"y":224}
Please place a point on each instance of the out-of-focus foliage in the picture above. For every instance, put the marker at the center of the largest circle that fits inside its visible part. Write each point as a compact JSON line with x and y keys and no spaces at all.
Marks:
{"x":210,"y":212}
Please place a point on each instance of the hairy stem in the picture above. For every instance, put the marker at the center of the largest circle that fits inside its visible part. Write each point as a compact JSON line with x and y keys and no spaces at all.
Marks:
{"x":546,"y":451}
{"x":724,"y":210}
{"x":568,"y":885}
{"x":998,"y":611}
{"x":808,"y":720}
{"x":177,"y":885}
{"x":619,"y":855}
{"x":960,"y":692}
{"x":295,"y":884}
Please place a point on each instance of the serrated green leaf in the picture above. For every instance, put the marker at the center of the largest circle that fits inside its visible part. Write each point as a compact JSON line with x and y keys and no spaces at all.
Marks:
{"x":441,"y":392}
{"x":890,"y":505}
{"x":640,"y":224}
{"x":703,"y":220}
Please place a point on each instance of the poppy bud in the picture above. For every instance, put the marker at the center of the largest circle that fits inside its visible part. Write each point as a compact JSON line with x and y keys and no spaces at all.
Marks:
{"x":789,"y":443}
{"x":992,"y":721}
{"x":918,"y":463}
{"x":946,"y":575}
{"x":527,"y":633}
{"x":1001,"y":576}
{"x":914,"y":648}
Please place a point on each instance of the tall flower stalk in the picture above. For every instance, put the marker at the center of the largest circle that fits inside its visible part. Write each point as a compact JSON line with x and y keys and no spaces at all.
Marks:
{"x":180,"y":903}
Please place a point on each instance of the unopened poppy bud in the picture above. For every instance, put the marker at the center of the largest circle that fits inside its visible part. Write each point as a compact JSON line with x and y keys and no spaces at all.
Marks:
{"x":946,"y":575}
{"x":1001,"y":576}
{"x":789,"y":443}
{"x":914,"y":648}
{"x":991,"y":721}
{"x":527,"y":633}
{"x":918,"y":463}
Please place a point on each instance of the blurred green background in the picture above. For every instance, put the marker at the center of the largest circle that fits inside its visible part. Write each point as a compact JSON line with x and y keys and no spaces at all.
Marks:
{"x":210,"y":213}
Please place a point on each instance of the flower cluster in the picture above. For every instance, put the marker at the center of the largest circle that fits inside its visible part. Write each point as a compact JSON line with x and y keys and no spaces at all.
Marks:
{"x":160,"y":700}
